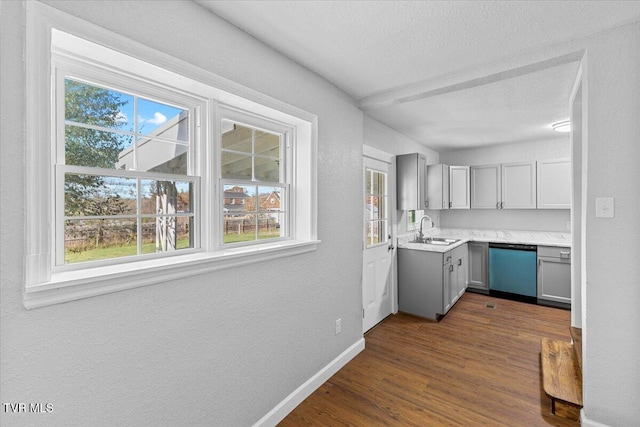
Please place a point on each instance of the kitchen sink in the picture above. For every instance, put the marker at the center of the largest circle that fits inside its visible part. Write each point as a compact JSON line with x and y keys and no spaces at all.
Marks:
{"x":436,"y":241}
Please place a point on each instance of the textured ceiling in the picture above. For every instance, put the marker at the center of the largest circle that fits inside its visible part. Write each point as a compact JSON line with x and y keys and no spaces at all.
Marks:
{"x":375,"y":50}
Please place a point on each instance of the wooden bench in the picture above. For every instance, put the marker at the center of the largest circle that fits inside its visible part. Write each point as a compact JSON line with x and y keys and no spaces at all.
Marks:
{"x":562,"y":374}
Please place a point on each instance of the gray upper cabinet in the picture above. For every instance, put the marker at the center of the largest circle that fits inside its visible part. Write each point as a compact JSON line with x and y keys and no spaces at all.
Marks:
{"x":438,"y":186}
{"x":504,"y":186}
{"x":459,"y":187}
{"x":486,"y":191}
{"x":519,"y":185}
{"x":554,"y":184}
{"x":411,"y":173}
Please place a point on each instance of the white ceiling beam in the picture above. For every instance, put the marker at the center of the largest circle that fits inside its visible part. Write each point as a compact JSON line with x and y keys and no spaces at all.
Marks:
{"x":464,"y":80}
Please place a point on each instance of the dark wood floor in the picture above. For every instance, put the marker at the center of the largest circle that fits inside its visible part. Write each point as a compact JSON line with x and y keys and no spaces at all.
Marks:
{"x":478,"y":366}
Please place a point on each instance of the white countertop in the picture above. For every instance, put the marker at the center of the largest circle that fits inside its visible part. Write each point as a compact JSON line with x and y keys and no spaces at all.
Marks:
{"x":540,"y":238}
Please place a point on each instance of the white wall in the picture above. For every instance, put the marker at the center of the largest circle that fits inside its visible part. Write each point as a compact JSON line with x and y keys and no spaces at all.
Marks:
{"x":220,"y":349}
{"x":512,"y":219}
{"x":505,"y":153}
{"x":611,"y":318}
{"x":384,"y":138}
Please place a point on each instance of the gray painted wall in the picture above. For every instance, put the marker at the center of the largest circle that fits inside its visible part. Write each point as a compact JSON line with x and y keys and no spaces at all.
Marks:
{"x":220,"y":349}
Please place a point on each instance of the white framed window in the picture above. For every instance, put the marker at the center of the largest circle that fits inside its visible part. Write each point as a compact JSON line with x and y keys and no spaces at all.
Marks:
{"x":130,"y":154}
{"x":126,"y":179}
{"x":253,"y":174}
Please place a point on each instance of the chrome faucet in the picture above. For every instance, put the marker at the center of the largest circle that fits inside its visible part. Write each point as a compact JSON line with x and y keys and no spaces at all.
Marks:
{"x":421,"y":236}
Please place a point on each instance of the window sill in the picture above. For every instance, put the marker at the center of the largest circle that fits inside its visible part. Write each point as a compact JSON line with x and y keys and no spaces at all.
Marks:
{"x":74,"y":285}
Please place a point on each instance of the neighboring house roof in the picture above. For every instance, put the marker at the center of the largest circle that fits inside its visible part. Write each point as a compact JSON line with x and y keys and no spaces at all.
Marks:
{"x":229,"y":194}
{"x":271,"y":201}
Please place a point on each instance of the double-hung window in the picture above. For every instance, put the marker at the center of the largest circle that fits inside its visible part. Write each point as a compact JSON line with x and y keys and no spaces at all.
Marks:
{"x":126,"y":179}
{"x":253,"y":160}
{"x":141,"y":173}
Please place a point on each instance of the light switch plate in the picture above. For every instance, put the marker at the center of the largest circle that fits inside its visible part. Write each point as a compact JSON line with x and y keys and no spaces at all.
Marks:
{"x":604,"y":207}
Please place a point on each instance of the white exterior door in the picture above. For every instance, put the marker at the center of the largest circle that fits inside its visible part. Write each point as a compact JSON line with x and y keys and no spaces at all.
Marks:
{"x":378,"y":244}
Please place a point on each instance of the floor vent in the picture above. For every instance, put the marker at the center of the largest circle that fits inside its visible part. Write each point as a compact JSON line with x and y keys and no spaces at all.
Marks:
{"x":490,"y":305}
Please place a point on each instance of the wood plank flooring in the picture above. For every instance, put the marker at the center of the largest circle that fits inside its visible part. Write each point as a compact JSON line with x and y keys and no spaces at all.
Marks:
{"x":478,"y":366}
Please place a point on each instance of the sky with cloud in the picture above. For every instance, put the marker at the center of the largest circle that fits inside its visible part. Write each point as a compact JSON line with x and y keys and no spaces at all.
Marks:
{"x":151,"y":114}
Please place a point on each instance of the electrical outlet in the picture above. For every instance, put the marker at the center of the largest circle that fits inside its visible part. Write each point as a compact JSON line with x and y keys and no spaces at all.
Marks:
{"x":338,"y":326}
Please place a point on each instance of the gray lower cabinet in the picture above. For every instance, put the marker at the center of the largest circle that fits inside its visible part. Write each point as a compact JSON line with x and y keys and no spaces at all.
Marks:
{"x":554,"y":274}
{"x":478,"y":253}
{"x":430,"y":283}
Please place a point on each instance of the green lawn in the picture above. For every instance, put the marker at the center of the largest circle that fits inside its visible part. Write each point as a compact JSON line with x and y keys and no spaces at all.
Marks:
{"x":117,"y":251}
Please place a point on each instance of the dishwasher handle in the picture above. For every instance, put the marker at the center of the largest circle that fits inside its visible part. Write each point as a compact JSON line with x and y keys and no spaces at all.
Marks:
{"x":514,"y":246}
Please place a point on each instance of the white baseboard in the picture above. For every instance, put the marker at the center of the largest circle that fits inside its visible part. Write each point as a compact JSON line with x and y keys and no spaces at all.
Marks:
{"x":290,"y":402}
{"x":586,"y":422}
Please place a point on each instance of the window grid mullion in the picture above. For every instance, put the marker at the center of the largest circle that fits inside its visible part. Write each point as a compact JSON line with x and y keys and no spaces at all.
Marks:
{"x":135,"y":133}
{"x":139,"y":216}
{"x":126,"y":133}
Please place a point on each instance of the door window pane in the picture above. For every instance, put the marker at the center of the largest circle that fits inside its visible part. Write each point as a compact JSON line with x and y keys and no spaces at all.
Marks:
{"x":376,"y":208}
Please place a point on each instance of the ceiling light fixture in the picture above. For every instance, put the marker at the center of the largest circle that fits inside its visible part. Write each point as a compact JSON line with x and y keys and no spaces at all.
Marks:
{"x":563,"y":126}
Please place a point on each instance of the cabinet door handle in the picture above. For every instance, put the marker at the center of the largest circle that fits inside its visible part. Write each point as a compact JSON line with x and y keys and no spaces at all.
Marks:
{"x":497,"y":205}
{"x":451,"y":268}
{"x":460,"y":261}
{"x":450,"y":204}
{"x":501,"y":205}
